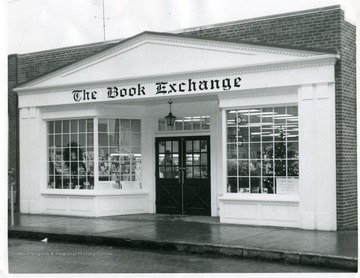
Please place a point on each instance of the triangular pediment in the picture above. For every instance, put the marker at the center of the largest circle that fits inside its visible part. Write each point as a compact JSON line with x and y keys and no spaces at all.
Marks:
{"x":157,"y":54}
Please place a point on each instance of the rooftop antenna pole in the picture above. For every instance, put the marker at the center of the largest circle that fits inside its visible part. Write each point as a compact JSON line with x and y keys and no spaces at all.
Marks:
{"x":103,"y":18}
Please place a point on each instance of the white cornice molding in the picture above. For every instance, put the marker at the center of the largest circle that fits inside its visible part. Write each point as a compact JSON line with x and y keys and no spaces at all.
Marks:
{"x":67,"y":107}
{"x":175,"y":41}
{"x":251,"y":93}
{"x":299,"y":63}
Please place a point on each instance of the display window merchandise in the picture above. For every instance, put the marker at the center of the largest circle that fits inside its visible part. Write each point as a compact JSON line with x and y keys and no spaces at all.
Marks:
{"x":71,"y":154}
{"x":263,"y":150}
{"x":251,"y":134}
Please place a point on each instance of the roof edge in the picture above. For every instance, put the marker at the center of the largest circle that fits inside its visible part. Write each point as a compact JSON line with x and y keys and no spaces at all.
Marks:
{"x":326,"y":58}
{"x":261,"y":18}
{"x":183,"y":36}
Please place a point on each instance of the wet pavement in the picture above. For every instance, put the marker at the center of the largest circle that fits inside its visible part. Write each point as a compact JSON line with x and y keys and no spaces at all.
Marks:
{"x":196,"y":234}
{"x":38,"y":257}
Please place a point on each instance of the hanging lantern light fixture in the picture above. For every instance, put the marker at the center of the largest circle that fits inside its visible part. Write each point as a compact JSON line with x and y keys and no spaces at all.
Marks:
{"x":170,"y":119}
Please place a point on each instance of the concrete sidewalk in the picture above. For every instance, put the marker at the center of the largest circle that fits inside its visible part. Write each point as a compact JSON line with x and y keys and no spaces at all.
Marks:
{"x":196,"y":234}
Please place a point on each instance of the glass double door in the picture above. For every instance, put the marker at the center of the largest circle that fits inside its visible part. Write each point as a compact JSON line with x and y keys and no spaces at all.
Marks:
{"x":183,"y":175}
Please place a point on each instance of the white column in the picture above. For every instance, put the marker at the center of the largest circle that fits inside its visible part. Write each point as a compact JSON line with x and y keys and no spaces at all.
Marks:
{"x":32,"y":160}
{"x":148,"y":160}
{"x":317,"y":156}
{"x":216,"y":161}
{"x":223,"y":151}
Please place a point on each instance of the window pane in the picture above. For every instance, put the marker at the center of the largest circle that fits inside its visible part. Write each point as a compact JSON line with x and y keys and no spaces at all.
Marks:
{"x":293,"y":150}
{"x":179,"y":124}
{"x":58,"y":127}
{"x":103,"y":139}
{"x":255,"y":185}
{"x":74,"y":126}
{"x":82,"y":125}
{"x":203,"y":146}
{"x":232,"y":167}
{"x":135,"y":126}
{"x":243,"y":134}
{"x":243,"y":168}
{"x":189,"y":146}
{"x":175,"y":146}
{"x":243,"y":151}
{"x":66,"y":127}
{"x":255,"y":150}
{"x":136,"y":139}
{"x":161,"y":125}
{"x":90,"y":125}
{"x":232,"y":185}
{"x":196,"y":123}
{"x":244,"y":185}
{"x":232,"y":134}
{"x":187,"y":123}
{"x":204,"y":158}
{"x":196,"y":145}
{"x":51,"y":127}
{"x":293,"y":168}
{"x":255,"y":168}
{"x":125,"y":125}
{"x":205,"y":122}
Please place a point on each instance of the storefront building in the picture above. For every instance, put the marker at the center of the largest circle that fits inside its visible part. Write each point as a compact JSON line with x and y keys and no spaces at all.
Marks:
{"x":254,"y":140}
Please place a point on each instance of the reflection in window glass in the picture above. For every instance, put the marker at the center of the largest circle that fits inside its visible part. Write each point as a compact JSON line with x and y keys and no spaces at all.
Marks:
{"x":263,"y":150}
{"x":71,"y":154}
{"x":120,"y":153}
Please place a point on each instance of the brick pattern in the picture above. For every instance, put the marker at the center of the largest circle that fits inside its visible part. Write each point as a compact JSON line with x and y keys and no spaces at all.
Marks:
{"x":34,"y":65}
{"x":346,"y":134}
{"x":325,"y":29}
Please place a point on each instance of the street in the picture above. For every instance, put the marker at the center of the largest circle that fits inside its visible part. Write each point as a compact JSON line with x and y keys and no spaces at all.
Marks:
{"x":38,"y":257}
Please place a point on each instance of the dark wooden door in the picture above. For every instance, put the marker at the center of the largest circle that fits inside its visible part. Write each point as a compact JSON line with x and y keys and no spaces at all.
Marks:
{"x":183,"y":175}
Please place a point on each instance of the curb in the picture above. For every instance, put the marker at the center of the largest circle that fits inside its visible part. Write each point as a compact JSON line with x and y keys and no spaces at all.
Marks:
{"x":293,"y":257}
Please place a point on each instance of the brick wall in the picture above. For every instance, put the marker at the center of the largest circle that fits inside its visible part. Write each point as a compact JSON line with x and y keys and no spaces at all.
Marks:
{"x":346,"y":155}
{"x":34,"y":65}
{"x":325,"y":29}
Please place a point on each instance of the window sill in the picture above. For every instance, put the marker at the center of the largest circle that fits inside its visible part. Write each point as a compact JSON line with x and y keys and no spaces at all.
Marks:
{"x":228,"y":197}
{"x":92,"y":192}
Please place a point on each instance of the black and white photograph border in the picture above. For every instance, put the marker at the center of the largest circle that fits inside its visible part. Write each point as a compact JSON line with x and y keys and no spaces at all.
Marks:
{"x":179,"y":138}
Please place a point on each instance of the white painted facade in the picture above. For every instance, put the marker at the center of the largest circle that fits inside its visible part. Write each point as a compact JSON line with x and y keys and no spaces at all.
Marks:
{"x":269,"y":77}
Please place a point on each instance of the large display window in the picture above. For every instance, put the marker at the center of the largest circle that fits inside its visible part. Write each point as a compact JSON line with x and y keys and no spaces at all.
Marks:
{"x":71,"y":154}
{"x":263,"y":150}
{"x":71,"y":151}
